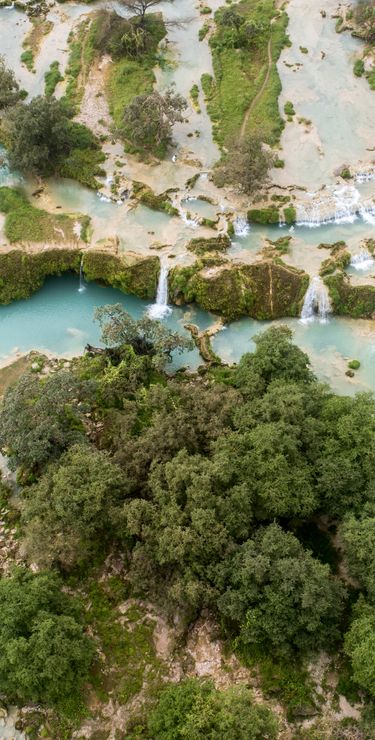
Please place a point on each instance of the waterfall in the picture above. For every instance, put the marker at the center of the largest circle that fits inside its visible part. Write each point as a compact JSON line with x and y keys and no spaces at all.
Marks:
{"x":241,"y":226}
{"x":160,"y":309}
{"x":362,"y":261}
{"x":340,"y":206}
{"x":316,"y":303}
{"x":82,"y":286}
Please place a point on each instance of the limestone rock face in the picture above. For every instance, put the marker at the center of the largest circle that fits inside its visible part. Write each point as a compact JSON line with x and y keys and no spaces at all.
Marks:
{"x":357,"y":301}
{"x":129,"y":272}
{"x":264,"y":290}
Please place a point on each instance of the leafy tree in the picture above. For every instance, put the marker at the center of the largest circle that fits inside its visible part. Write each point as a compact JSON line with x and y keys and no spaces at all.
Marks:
{"x":44,"y":654}
{"x":10,"y":92}
{"x":359,"y":540}
{"x":275,"y":358}
{"x":278,"y":597}
{"x":39,"y":133}
{"x":42,"y":136}
{"x":247,"y":166}
{"x":345,"y":469}
{"x":148,"y":120}
{"x":69,"y":513}
{"x":39,"y":419}
{"x":184,"y":530}
{"x":146,"y":336}
{"x":166,"y":419}
{"x":140,"y":7}
{"x":194,"y":709}
{"x":360,"y":646}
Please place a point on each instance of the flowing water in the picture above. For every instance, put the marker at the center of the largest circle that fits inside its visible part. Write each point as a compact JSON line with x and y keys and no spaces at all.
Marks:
{"x":317,"y":303}
{"x":160,"y":309}
{"x":59,"y":320}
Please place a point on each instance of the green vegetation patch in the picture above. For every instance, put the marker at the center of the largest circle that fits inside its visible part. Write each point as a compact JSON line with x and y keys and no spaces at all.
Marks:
{"x":22,"y":274}
{"x":357,"y":301}
{"x":138,"y":276}
{"x":25,"y":223}
{"x":148,"y":198}
{"x":244,"y":74}
{"x":129,"y":76}
{"x":52,"y":78}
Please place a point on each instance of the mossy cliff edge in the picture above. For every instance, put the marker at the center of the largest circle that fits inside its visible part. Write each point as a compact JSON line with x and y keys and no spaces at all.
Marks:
{"x":23,"y":273}
{"x":357,"y":301}
{"x":263,"y":290}
{"x":130,"y":272}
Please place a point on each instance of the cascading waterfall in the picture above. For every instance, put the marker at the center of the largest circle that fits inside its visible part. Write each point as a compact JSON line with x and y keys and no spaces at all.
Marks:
{"x":362,"y":261}
{"x":317,"y":302}
{"x":82,"y":286}
{"x":160,"y":309}
{"x":340,"y":206}
{"x":241,"y":226}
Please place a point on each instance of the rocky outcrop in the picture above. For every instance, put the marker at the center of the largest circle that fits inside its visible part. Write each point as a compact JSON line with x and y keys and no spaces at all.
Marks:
{"x":357,"y":301}
{"x":201,"y":246}
{"x":339,"y":258}
{"x":129,"y":272}
{"x":268,"y":289}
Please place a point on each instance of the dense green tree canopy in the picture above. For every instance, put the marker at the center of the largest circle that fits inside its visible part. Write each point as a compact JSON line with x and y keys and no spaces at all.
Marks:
{"x":360,"y":646}
{"x":279,"y":596}
{"x":39,"y":419}
{"x":44,"y":653}
{"x":148,"y":120}
{"x":194,"y":710}
{"x":69,"y":512}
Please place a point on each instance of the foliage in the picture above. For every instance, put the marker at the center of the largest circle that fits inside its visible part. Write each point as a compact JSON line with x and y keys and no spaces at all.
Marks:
{"x":52,"y":78}
{"x":148,"y":120}
{"x":246,"y":166}
{"x":43,"y":140}
{"x":44,"y":653}
{"x":146,"y":336}
{"x":364,"y":16}
{"x":25,"y":223}
{"x":246,"y":81}
{"x":40,"y":419}
{"x":139,"y":8}
{"x":278,"y":596}
{"x":360,"y":646}
{"x":193,"y":709}
{"x":69,"y":513}
{"x":359,"y":541}
{"x":10,"y":92}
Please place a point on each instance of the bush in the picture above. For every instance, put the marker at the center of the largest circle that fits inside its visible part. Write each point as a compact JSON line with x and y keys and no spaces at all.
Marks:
{"x":44,"y":653}
{"x":359,"y":67}
{"x":194,"y":710}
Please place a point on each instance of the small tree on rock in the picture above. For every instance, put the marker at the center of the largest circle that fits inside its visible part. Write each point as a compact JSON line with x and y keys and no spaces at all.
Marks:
{"x":149,"y":119}
{"x":140,"y":7}
{"x":246,"y":167}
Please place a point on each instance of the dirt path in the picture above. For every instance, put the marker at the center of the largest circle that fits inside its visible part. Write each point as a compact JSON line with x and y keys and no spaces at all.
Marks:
{"x":259,"y":94}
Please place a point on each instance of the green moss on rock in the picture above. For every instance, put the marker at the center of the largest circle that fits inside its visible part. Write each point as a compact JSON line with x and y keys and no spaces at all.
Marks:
{"x":263,"y":290}
{"x":147,"y":197}
{"x":339,"y":259}
{"x":357,"y":301}
{"x":22,"y":273}
{"x":268,"y":215}
{"x":25,"y":223}
{"x":218,"y":243}
{"x":130,"y":273}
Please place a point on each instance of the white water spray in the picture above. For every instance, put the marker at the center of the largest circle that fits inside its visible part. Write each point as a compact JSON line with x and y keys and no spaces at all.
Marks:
{"x":241,"y":226}
{"x":362,"y":261}
{"x":316,"y":303}
{"x":160,"y":309}
{"x":82,"y":286}
{"x":340,"y":206}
